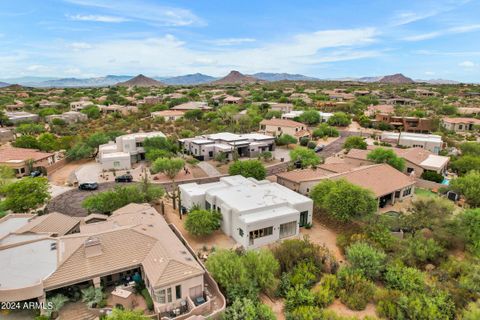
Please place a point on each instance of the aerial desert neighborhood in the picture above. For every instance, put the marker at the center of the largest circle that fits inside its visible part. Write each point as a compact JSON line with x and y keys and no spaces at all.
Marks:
{"x":239,"y":160}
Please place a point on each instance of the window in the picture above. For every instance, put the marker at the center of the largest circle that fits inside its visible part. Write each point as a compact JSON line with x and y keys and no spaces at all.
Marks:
{"x":407,"y":191}
{"x":161,"y":296}
{"x":178,"y":292}
{"x":207,"y":205}
{"x":288,"y":229}
{"x":261,"y":233}
{"x":116,"y":164}
{"x":240,"y":232}
{"x":169,"y":294}
{"x":409,"y":170}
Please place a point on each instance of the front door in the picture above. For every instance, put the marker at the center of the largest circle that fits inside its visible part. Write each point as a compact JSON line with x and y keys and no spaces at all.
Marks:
{"x":303,"y":218}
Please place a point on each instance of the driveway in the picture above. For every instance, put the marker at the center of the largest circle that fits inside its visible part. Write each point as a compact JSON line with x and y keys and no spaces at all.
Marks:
{"x":89,"y":172}
{"x":337,"y":145}
{"x":210,"y":170}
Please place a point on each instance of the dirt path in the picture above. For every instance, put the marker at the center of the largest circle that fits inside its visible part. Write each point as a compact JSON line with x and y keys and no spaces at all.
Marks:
{"x":340,"y":309}
{"x":322,"y":235}
{"x":276,"y":306}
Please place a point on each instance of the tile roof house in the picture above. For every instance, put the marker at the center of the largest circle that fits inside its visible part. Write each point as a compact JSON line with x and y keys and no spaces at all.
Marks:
{"x":254,"y":213}
{"x":460,"y":124}
{"x":277,"y":127}
{"x":135,"y":239}
{"x":18,"y":159}
{"x":408,"y":124}
{"x":192,"y":105}
{"x":372,"y":110}
{"x":417,"y":159}
{"x":371,"y":177}
{"x":168,"y":115}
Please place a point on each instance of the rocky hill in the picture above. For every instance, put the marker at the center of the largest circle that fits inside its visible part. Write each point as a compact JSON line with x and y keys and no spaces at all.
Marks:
{"x":141,"y":81}
{"x":396,"y":79}
{"x":235,"y":77}
{"x":4,"y":84}
{"x":188,"y":79}
{"x":282,"y":77}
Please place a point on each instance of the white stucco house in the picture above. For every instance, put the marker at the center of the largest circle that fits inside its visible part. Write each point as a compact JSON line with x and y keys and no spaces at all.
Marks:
{"x":254,"y":213}
{"x":126,"y":149}
{"x":207,"y":146}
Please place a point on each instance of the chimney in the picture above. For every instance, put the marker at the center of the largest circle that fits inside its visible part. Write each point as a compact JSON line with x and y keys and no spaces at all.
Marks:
{"x":93,"y":247}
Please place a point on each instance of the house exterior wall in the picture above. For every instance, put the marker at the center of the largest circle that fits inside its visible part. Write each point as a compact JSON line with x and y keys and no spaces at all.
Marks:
{"x":276,"y":130}
{"x":186,"y":285}
{"x":116,"y":163}
{"x":457,"y":127}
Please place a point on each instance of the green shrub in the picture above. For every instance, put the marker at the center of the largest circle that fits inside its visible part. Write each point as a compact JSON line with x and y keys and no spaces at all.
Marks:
{"x":326,"y":291}
{"x":311,"y":145}
{"x":355,"y":290}
{"x":299,"y":296}
{"x":404,"y":278}
{"x":148,"y":299}
{"x":304,"y":141}
{"x":432,"y":176}
{"x":202,"y":222}
{"x":366,"y":259}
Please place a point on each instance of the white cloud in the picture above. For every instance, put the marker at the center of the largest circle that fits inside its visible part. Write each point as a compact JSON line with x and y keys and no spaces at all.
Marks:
{"x":96,"y":18}
{"x":426,"y":10}
{"x":439,"y":33}
{"x":467,"y":64}
{"x":144,"y":11}
{"x":170,"y":55}
{"x":403,"y":18}
{"x":231,"y":41}
{"x":79,"y":45}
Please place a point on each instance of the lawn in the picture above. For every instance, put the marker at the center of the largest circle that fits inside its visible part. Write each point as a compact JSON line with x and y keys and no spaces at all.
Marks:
{"x":425,"y":192}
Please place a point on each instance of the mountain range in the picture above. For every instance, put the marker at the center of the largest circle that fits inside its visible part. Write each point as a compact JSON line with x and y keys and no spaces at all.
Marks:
{"x":141,"y":81}
{"x":199,"y":78}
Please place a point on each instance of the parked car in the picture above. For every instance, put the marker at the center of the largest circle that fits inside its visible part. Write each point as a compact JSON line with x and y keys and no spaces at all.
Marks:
{"x":88,"y":186}
{"x":36,"y":173}
{"x":319,"y":148}
{"x":124,"y":178}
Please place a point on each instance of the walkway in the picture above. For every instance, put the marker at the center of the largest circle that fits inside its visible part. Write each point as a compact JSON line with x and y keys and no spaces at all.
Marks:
{"x":76,"y":311}
{"x":210,"y":170}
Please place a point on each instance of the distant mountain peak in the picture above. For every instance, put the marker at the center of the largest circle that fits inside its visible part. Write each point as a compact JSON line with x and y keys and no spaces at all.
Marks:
{"x":397,"y":78}
{"x":267,"y":76}
{"x":236,"y":77}
{"x":141,"y":81}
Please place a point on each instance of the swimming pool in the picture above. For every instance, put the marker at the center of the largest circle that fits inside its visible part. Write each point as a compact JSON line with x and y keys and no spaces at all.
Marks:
{"x":446,"y":181}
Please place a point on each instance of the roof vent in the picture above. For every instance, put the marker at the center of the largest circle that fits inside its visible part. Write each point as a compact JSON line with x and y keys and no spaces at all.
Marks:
{"x":93,"y":247}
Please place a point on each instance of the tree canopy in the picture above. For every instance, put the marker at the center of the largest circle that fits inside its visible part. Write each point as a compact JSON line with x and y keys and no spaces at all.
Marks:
{"x":388,"y":156}
{"x":26,"y":194}
{"x":343,"y":200}
{"x":248,"y":168}
{"x":202,"y":222}
{"x":355,"y":142}
{"x":306,"y":157}
{"x":469,"y":187}
{"x":169,"y":167}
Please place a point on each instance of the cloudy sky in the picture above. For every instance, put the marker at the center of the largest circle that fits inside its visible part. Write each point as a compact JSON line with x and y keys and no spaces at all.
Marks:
{"x":328,"y":39}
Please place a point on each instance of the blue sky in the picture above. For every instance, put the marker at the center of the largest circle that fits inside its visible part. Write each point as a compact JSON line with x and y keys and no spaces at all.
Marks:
{"x":329,"y":39}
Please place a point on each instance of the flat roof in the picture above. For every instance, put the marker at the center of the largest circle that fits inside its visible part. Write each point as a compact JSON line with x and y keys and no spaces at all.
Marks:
{"x":12,"y":223}
{"x":252,"y":194}
{"x":268,"y":214}
{"x":435,"y":162}
{"x":28,"y":264}
{"x":115,"y":155}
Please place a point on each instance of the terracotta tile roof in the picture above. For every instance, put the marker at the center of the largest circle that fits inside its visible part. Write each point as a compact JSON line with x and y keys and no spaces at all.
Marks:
{"x":370,"y":177}
{"x":462,"y":120}
{"x":281,"y":123}
{"x":120,"y":249}
{"x":165,"y":113}
{"x":54,"y":223}
{"x":135,"y":235}
{"x":337,"y":167}
{"x":8,"y":153}
{"x":414,"y":155}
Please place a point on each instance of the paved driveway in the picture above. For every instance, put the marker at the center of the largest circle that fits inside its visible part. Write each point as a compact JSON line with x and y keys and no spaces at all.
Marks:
{"x":337,"y":145}
{"x":210,"y":170}
{"x":89,"y":172}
